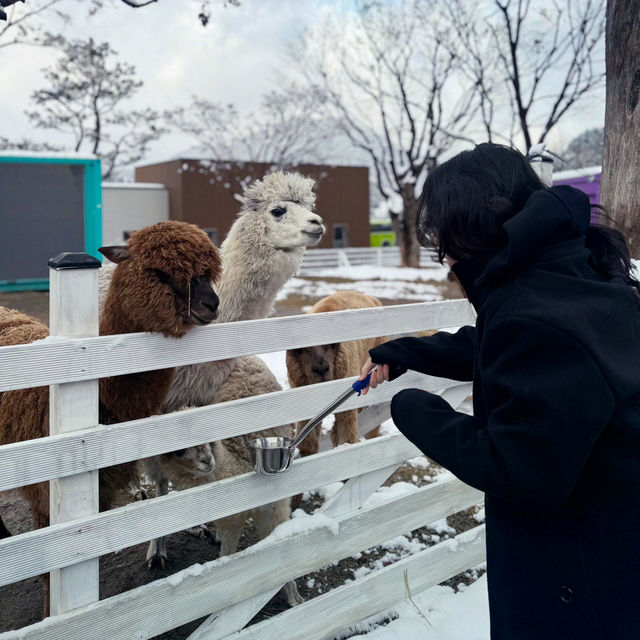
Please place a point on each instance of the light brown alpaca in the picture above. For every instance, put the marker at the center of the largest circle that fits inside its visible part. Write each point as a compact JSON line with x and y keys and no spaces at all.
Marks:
{"x":163,"y":283}
{"x":332,"y":362}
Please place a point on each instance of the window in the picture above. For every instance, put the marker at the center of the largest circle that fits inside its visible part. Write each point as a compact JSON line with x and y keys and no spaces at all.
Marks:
{"x":340,"y":236}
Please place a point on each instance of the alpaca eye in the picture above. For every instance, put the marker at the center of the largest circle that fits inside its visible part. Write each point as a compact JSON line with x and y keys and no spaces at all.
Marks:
{"x":163,"y":276}
{"x":278,"y":211}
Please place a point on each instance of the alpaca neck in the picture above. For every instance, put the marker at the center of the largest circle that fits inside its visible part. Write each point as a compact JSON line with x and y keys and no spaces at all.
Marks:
{"x":251,"y":278}
{"x":135,"y":395}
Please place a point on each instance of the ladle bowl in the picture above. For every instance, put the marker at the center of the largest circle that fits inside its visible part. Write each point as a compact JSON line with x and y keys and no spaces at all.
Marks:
{"x":271,"y":455}
{"x":274,"y":455}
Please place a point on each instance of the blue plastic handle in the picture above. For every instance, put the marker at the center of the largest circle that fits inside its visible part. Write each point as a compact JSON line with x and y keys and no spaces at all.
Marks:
{"x":359,"y":385}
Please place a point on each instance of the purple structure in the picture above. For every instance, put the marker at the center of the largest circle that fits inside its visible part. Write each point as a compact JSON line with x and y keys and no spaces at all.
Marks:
{"x":587,"y":180}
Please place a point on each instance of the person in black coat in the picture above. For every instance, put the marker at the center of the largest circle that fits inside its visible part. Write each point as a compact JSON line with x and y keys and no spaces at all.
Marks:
{"x":554,"y":440}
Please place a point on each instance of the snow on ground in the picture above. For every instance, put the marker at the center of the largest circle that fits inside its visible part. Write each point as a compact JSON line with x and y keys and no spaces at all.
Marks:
{"x":432,"y":271}
{"x":451,"y":616}
{"x":393,"y":283}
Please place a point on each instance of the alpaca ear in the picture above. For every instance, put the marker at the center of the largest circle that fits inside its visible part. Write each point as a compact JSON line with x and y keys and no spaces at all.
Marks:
{"x":115,"y":253}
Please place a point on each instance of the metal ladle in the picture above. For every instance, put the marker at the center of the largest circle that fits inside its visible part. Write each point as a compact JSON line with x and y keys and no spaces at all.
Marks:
{"x":275,"y":455}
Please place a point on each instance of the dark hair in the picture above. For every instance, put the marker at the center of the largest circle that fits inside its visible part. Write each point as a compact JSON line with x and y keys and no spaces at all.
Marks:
{"x":610,"y":250}
{"x":466,"y":200}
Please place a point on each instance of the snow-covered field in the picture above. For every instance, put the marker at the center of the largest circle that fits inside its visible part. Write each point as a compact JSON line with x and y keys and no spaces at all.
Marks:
{"x":457,"y":612}
{"x":389,"y":283}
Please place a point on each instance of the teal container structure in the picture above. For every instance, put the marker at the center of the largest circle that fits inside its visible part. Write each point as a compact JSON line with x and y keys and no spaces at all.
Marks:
{"x":49,"y":203}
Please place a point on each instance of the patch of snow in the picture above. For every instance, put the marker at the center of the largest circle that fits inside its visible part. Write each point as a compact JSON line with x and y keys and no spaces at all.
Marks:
{"x":276,"y":361}
{"x":405,"y":544}
{"x":452,"y":616}
{"x":432,"y":271}
{"x":192,"y":571}
{"x":385,"y":494}
{"x":441,"y":526}
{"x":392,"y":289}
{"x":420,"y":462}
{"x":361,"y":572}
{"x":325,"y":492}
{"x":388,"y":427}
{"x":296,"y":527}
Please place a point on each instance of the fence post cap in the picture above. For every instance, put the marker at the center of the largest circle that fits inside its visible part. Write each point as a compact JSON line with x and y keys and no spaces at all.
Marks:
{"x":74,"y":260}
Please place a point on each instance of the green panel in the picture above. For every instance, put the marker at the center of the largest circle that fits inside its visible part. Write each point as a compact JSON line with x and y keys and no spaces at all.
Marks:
{"x":24,"y":285}
{"x":93,"y":208}
{"x":92,"y":211}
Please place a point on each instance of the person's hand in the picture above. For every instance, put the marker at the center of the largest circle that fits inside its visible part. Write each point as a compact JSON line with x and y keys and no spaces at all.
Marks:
{"x":377,"y":377}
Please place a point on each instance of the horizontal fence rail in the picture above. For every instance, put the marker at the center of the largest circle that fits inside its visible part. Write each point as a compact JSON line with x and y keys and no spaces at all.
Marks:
{"x":249,"y":578}
{"x":77,"y":540}
{"x":164,"y":604}
{"x":32,"y":461}
{"x":56,"y":361}
{"x":325,"y":616}
{"x":376,"y":256}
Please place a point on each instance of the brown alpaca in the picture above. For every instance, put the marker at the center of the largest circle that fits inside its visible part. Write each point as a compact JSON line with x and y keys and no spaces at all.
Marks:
{"x":332,"y":362}
{"x":162,"y":283}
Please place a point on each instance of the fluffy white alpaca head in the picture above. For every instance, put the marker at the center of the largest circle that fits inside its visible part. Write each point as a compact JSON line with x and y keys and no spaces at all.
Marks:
{"x":279,"y":208}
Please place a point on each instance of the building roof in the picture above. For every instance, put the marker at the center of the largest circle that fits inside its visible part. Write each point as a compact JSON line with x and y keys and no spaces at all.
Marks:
{"x":570,"y":174}
{"x":133,"y":185}
{"x":19,"y":153}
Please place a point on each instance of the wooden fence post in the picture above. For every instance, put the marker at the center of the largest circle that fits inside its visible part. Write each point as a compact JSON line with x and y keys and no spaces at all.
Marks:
{"x":73,"y":311}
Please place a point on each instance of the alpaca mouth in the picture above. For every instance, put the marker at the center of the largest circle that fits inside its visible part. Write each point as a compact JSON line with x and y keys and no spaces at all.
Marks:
{"x":314,"y":235}
{"x":204,"y":471}
{"x":194,"y":318}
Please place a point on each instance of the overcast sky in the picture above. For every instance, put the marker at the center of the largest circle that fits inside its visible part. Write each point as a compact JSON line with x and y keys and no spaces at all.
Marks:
{"x":239,"y":56}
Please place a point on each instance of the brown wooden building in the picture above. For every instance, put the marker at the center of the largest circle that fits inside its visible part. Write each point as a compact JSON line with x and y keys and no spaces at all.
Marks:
{"x":205,"y":193}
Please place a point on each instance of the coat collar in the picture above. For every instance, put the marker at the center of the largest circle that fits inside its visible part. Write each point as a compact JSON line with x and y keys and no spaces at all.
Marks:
{"x":551,"y":225}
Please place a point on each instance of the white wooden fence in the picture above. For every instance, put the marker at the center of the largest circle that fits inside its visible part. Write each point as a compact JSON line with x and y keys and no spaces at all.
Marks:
{"x":229,"y":590}
{"x":353,"y":256}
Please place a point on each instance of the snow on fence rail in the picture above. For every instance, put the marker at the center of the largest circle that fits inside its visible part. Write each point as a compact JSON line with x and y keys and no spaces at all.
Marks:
{"x":352,"y":256}
{"x":231,"y":589}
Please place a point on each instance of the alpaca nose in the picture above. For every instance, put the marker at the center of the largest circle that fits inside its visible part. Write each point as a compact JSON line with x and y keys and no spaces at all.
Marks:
{"x":211,"y":302}
{"x":316,"y":219}
{"x":320,"y":367}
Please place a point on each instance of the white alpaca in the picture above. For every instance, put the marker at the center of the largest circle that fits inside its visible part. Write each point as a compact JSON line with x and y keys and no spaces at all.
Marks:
{"x":263,"y":249}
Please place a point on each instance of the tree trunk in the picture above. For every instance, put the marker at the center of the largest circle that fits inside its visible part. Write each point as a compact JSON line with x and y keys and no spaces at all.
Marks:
{"x":621,"y":164}
{"x":396,"y":226}
{"x":408,"y":239}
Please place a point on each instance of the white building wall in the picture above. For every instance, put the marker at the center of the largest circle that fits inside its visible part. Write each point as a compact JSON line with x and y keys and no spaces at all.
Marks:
{"x":127,"y":206}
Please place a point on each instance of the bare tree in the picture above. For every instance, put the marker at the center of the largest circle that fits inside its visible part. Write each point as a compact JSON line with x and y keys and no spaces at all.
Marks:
{"x":585,"y":150}
{"x":24,"y":144}
{"x":621,"y":174}
{"x":392,"y":85}
{"x":84,"y":98}
{"x":546,"y":56}
{"x":24,"y":23}
{"x":29,"y":21}
{"x":288,"y":129}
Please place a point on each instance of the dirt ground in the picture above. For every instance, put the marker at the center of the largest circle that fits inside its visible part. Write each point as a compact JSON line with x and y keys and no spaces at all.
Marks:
{"x":21,"y":603}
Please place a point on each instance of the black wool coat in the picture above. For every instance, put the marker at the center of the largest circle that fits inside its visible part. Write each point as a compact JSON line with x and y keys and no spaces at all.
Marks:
{"x":555,"y":438}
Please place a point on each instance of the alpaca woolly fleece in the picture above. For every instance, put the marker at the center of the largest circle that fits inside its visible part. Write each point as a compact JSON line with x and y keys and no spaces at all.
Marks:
{"x":182,"y":251}
{"x":277,"y":187}
{"x":333,"y":362}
